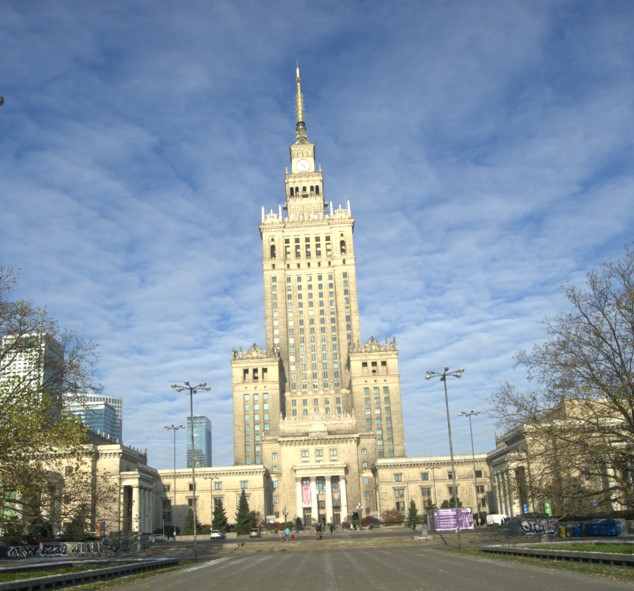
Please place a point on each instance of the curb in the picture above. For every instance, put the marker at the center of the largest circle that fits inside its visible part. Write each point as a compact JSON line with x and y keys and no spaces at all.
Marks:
{"x":64,"y":580}
{"x":567,"y":555}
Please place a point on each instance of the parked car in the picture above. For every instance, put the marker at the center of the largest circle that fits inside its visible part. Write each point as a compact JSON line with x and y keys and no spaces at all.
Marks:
{"x":255,"y":533}
{"x":216,"y":534}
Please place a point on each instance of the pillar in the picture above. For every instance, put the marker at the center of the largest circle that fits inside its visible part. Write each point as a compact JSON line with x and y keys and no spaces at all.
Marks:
{"x":328,"y":500}
{"x":299,"y":505}
{"x":344,"y":499}
{"x":314,"y":505}
{"x":136,"y":509}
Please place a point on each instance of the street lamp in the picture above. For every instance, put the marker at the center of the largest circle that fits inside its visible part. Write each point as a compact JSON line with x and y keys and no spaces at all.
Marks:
{"x":443,"y":375}
{"x":191,"y":390}
{"x":173,"y":428}
{"x":469,"y":414}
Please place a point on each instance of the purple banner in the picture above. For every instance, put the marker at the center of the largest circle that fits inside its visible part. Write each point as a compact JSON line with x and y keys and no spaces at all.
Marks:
{"x":449,"y":519}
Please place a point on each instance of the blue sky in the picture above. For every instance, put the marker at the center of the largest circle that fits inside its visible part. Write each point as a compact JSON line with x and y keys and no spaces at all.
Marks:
{"x":486,"y":148}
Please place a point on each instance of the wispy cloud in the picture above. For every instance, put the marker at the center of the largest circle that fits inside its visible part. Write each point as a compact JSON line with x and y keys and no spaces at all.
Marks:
{"x":486,"y":150}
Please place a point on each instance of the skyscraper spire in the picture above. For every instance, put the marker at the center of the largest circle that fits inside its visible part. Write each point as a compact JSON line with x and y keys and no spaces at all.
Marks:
{"x":300,"y":126}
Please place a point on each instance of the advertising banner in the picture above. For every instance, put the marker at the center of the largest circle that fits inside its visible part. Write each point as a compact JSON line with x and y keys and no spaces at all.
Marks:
{"x":306,"y":492}
{"x":450,"y":519}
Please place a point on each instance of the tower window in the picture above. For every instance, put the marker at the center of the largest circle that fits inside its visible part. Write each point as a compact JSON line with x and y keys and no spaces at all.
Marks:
{"x":272,"y":253}
{"x":291,"y":191}
{"x":342,"y":246}
{"x":317,"y":189}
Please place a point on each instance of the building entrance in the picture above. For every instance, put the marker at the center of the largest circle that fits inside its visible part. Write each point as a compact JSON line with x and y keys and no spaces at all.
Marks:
{"x":308,"y":518}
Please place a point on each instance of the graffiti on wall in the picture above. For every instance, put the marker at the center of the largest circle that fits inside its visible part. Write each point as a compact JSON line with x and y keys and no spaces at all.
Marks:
{"x":534,"y":525}
{"x":24,"y":551}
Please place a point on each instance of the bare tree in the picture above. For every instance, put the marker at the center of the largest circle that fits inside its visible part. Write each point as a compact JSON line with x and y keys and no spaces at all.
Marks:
{"x":578,"y":423}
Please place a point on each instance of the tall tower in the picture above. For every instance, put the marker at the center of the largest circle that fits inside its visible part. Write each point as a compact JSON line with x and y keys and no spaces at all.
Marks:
{"x":310,"y":290}
{"x":316,"y":406}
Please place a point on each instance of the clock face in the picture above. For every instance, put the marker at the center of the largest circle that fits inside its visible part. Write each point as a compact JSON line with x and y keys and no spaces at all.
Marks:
{"x":303,"y":165}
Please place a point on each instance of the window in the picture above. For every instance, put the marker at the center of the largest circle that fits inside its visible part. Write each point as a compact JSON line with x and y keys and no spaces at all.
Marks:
{"x":275,"y":483}
{"x":480,"y":488}
{"x":398,"y":477}
{"x":167,"y":487}
{"x":217,"y":484}
{"x":478,"y":473}
{"x":424,"y":475}
{"x":319,"y":453}
{"x":364,"y":451}
{"x":304,"y":454}
{"x":244,"y":484}
{"x":425,"y":492}
{"x":275,"y":455}
{"x":333,"y":453}
{"x":450,"y":475}
{"x":191,"y":486}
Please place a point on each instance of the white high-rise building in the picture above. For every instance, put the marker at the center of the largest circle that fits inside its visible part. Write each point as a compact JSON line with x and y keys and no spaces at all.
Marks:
{"x":34,"y":362}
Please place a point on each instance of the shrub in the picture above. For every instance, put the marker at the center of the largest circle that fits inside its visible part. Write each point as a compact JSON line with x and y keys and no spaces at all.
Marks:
{"x":392,"y":517}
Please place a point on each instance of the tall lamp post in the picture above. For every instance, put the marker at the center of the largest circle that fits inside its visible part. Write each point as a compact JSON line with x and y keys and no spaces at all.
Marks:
{"x":469,"y":414}
{"x":173,"y":428}
{"x":191,"y":390}
{"x":443,"y":375}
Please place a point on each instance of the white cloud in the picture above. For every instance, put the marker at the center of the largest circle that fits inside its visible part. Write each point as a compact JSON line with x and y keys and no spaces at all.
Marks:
{"x":486,"y":154}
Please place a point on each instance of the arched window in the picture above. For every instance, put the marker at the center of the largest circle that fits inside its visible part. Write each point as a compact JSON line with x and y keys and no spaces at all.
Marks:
{"x":312,"y":189}
{"x":342,"y":246}
{"x":317,"y":189}
{"x":291,"y":191}
{"x":272,"y":251}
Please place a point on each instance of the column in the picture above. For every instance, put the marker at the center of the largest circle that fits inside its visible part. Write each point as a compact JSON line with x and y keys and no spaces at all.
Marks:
{"x":328,"y":500}
{"x":344,"y":499}
{"x":314,"y":506}
{"x":136,"y":509}
{"x":509,"y":492}
{"x":299,"y":505}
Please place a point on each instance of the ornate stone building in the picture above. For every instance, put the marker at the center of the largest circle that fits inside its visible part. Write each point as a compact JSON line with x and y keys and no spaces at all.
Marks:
{"x":315,"y":406}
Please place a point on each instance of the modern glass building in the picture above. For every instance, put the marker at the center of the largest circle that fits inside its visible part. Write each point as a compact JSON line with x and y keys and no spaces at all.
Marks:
{"x":98,"y":416}
{"x":202,"y":442}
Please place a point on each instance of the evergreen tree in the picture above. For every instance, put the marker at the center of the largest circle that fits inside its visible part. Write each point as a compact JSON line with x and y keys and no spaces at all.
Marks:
{"x":188,"y":528}
{"x":243,"y":515}
{"x":220,"y":517}
{"x":412,"y":515}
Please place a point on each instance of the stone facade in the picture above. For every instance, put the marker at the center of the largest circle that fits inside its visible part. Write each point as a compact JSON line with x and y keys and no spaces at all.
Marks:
{"x":428,"y":481}
{"x":122,"y":492}
{"x":215,"y":484}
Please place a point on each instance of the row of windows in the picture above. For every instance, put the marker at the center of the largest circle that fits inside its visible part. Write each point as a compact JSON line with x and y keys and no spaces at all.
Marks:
{"x":217,"y":485}
{"x":312,"y":190}
{"x":319,"y":454}
{"x":253,"y":374}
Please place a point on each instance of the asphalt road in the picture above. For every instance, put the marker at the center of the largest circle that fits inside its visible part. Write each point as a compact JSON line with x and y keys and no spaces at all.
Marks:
{"x":402,"y":569}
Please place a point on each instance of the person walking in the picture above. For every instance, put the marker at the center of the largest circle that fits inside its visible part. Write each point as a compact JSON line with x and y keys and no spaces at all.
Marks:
{"x":332,"y":529}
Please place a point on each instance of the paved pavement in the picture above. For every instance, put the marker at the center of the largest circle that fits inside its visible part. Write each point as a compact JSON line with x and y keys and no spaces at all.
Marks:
{"x":402,"y":569}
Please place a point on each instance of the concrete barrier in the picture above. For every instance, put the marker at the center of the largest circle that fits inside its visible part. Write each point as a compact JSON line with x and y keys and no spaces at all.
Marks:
{"x":77,"y":578}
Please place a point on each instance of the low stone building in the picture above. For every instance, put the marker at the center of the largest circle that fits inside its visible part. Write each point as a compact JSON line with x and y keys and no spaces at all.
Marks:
{"x":217,"y":484}
{"x":428,"y":482}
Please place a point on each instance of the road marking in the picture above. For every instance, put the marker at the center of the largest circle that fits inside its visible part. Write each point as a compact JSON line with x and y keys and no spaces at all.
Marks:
{"x":191,"y":569}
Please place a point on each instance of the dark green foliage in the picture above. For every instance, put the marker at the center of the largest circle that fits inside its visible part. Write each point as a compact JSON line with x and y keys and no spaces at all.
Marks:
{"x":412,"y":515}
{"x":243,"y":515}
{"x":451,"y":504}
{"x":220,"y":517}
{"x":188,"y":528}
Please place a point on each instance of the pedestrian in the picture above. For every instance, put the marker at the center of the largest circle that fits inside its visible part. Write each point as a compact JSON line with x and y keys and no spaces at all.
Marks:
{"x":287,"y":533}
{"x":332,"y":529}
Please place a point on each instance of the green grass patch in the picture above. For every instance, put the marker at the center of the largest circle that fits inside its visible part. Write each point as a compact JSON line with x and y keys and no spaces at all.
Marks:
{"x":608,"y":547}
